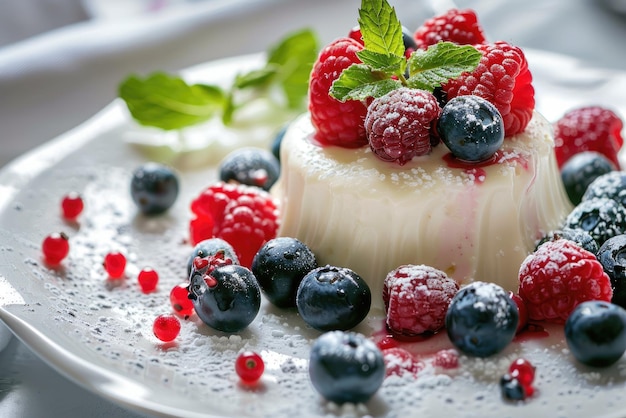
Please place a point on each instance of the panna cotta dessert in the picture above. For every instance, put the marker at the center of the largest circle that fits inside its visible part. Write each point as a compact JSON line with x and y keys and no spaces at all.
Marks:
{"x":396,"y":164}
{"x":472,"y":221}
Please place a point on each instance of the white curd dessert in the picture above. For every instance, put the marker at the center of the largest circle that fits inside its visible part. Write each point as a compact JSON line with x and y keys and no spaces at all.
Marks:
{"x":474,"y":222}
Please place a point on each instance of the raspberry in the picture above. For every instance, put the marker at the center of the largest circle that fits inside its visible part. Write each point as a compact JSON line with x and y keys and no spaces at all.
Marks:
{"x":458,"y":26}
{"x":336,"y":123}
{"x":446,"y":359}
{"x":246,"y":217}
{"x":591,"y":128}
{"x":416,"y":299}
{"x":559,"y":276}
{"x":503,"y":78}
{"x":399,"y":361}
{"x":399,"y":124}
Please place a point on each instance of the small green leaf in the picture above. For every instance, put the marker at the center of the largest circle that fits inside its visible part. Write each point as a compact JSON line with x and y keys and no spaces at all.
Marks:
{"x":358,"y":82}
{"x":168,"y":102}
{"x":293,"y":59}
{"x":380,"y":28}
{"x":255,"y":78}
{"x":439,"y":63}
{"x":390,"y":64}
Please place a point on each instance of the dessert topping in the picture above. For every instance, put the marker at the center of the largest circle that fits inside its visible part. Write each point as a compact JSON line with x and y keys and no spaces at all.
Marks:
{"x":115,"y":264}
{"x":148,"y":279}
{"x":399,"y":124}
{"x":602,"y":217}
{"x":481,"y":319}
{"x":457,"y":26}
{"x":250,"y":166}
{"x":579,"y":171}
{"x":71,"y":206}
{"x":559,"y":276}
{"x":249,"y":366}
{"x":55,"y":248}
{"x":503,"y":78}
{"x":154,"y":188}
{"x":166,"y":327}
{"x":416,"y":299}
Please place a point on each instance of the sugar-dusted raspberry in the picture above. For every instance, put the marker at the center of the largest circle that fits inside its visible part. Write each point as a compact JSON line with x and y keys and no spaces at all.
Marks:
{"x":416,"y":299}
{"x":399,"y":361}
{"x":590,"y":128}
{"x":503,"y":78}
{"x":336,"y":123}
{"x":399,"y":124}
{"x":446,"y":359}
{"x":458,"y":26}
{"x":246,"y":217}
{"x":559,"y":276}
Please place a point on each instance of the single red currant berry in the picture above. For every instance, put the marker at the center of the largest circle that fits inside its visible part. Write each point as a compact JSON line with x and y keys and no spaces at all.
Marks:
{"x":179,"y":298}
{"x":166,"y":327}
{"x":72,"y":205}
{"x":522,"y":370}
{"x":249,"y":366}
{"x":148,"y":279}
{"x":55,"y":247}
{"x":115,"y":264}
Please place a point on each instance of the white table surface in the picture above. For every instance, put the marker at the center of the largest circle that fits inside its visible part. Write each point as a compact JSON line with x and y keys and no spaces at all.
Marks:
{"x":53,"y":81}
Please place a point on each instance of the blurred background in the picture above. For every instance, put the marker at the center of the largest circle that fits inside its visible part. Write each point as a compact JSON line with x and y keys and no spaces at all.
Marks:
{"x":61,"y":62}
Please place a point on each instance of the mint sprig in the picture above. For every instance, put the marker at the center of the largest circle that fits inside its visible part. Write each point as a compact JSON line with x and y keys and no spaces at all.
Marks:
{"x":384,"y":66}
{"x":168,"y":102}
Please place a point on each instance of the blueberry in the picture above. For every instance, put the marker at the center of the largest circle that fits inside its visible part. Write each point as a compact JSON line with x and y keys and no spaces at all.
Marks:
{"x":279,"y":266}
{"x":408,"y":40}
{"x":481,"y":319}
{"x":250,"y":166}
{"x":154,"y":188}
{"x":579,"y":236}
{"x":596,"y":333}
{"x":611,"y":185}
{"x":581,"y":170}
{"x":210,"y":247}
{"x":346,"y":367}
{"x":278,"y":140}
{"x":471,"y":127}
{"x":512,"y":389}
{"x":602,"y":217}
{"x":228,"y":299}
{"x":333,"y":298}
{"x":612,"y":256}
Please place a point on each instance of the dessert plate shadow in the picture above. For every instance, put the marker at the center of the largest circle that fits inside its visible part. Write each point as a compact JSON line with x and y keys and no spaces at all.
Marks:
{"x":98,"y":333}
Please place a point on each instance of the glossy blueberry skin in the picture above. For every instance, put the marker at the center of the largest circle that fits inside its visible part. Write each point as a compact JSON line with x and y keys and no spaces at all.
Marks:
{"x":346,"y":367}
{"x":279,"y":266}
{"x":154,"y":188}
{"x":596,"y":333}
{"x":581,"y":170}
{"x":250,"y":166}
{"x":232,"y":304}
{"x":512,"y":389}
{"x":471,"y":128}
{"x":333,"y":298}
{"x":602,"y":218}
{"x":612,"y":256}
{"x":481,"y":319}
{"x":210,"y":247}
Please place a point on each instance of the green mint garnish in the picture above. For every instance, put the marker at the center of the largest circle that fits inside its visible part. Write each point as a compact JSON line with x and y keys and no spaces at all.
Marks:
{"x":168,"y":102}
{"x":384,"y":66}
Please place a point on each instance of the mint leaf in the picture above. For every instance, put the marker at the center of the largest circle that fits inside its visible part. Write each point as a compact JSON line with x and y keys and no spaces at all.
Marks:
{"x":358,"y":82}
{"x":439,"y":63}
{"x":168,"y":102}
{"x":380,"y":28}
{"x":293,"y":59}
{"x":255,"y":78}
{"x":390,"y":64}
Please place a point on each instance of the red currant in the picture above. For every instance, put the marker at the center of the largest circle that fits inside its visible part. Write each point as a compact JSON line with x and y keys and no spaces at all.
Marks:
{"x":148,"y":279}
{"x":522,"y":370}
{"x":55,"y":247}
{"x":166,"y":327}
{"x":115,"y":264}
{"x":249,"y":366}
{"x":72,"y":205}
{"x":179,"y":298}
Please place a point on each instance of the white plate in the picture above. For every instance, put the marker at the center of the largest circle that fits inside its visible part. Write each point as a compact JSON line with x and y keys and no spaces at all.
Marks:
{"x":100,"y":335}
